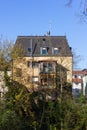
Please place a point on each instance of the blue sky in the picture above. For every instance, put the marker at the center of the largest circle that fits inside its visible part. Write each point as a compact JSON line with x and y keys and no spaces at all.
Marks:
{"x":36,"y":17}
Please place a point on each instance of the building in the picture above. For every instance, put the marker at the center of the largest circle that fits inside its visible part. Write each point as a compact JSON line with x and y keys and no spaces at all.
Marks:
{"x":79,"y":82}
{"x":84,"y":87}
{"x":47,"y":62}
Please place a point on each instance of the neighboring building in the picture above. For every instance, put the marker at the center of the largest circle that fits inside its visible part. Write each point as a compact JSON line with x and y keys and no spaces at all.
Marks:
{"x":79,"y":82}
{"x":84,"y":82}
{"x":47,"y":62}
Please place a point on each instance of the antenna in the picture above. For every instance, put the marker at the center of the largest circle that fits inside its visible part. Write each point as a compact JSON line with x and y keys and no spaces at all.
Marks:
{"x":50,"y":25}
{"x":50,"y":28}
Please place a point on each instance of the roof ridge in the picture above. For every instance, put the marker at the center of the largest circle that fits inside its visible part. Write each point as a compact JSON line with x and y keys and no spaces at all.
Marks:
{"x":40,"y":36}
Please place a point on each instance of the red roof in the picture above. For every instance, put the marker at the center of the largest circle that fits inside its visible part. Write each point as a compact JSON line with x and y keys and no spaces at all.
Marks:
{"x":79,"y":72}
{"x":77,"y":80}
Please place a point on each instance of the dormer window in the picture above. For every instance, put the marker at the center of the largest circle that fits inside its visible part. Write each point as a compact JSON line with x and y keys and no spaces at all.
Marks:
{"x":55,"y":51}
{"x":29,"y":51}
{"x":43,"y":51}
{"x":44,"y":39}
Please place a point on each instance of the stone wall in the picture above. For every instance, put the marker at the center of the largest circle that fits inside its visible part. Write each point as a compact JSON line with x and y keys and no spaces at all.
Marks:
{"x":25,"y":70}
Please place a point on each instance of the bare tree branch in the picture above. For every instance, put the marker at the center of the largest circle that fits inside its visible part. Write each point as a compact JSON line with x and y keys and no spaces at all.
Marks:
{"x":69,"y":2}
{"x":82,"y":7}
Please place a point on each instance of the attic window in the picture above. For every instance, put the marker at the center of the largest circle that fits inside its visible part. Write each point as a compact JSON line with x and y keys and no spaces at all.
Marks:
{"x":43,"y":51}
{"x":55,"y":51}
{"x":29,"y":49}
{"x":44,"y":39}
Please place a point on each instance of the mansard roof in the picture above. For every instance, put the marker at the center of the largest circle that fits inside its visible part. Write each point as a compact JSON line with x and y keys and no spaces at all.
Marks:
{"x":35,"y":43}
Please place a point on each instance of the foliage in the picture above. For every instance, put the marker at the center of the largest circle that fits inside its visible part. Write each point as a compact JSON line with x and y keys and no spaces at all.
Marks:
{"x":9,"y":120}
{"x":8,"y":52}
{"x":26,"y":111}
{"x":76,"y":116}
{"x":17,"y":50}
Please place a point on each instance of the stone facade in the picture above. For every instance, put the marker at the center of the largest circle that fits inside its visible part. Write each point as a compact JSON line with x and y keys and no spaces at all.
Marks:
{"x":23,"y":71}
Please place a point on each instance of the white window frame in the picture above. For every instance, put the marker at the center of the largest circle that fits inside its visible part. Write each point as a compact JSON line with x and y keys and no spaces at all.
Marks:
{"x":55,"y":49}
{"x":35,"y":79}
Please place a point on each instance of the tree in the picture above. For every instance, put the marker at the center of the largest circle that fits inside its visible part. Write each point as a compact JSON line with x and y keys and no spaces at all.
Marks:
{"x":8,"y":52}
{"x":35,"y":113}
{"x":82,"y":10}
{"x":75,"y":116}
{"x":5,"y":50}
{"x":9,"y":120}
{"x":76,"y":59}
{"x":18,"y":101}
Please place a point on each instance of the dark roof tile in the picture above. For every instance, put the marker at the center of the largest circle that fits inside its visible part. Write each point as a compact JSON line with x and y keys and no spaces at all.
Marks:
{"x":49,"y":42}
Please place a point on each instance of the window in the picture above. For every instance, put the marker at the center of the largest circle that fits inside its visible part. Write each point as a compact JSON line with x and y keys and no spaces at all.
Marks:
{"x":47,"y":67}
{"x":55,"y":51}
{"x":43,"y":51}
{"x":35,"y":64}
{"x":18,"y":72}
{"x":35,"y":79}
{"x":44,"y":39}
{"x":76,"y":83}
{"x":50,"y":66}
{"x":75,"y":76}
{"x":28,"y":64}
{"x":29,"y":50}
{"x":79,"y":76}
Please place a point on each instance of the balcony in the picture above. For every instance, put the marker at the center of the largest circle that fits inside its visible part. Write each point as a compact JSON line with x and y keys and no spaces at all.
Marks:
{"x":47,"y":68}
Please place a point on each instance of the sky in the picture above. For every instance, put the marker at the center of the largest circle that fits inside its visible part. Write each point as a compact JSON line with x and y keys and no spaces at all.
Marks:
{"x":37,"y":17}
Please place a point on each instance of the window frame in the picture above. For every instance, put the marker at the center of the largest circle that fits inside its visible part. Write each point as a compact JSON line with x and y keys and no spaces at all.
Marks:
{"x":35,"y":64}
{"x":35,"y":79}
{"x":28,"y":64}
{"x":47,"y":67}
{"x":55,"y":51}
{"x":44,"y":51}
